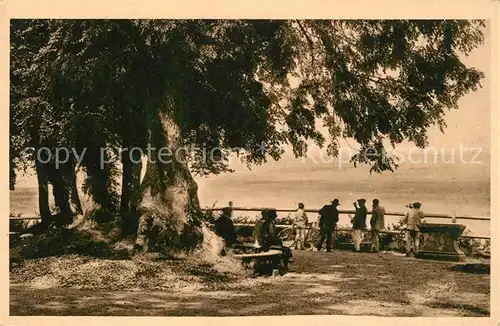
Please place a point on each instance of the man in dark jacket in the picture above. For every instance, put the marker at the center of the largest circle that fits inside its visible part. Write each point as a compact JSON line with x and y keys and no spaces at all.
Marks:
{"x":328,"y":218}
{"x":224,"y":227}
{"x":359,"y":223}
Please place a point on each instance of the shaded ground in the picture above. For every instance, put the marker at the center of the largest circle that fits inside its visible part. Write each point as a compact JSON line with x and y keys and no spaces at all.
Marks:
{"x":319,"y":283}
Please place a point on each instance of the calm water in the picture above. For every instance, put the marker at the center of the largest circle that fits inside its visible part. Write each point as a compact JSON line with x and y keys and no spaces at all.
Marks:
{"x":441,"y":188}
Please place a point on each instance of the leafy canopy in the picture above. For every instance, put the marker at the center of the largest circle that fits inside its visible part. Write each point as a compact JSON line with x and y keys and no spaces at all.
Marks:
{"x":227,"y":83}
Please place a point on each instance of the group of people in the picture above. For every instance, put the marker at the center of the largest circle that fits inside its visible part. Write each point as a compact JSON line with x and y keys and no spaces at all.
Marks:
{"x":329,"y":217}
{"x":266,"y":236}
{"x":327,"y":221}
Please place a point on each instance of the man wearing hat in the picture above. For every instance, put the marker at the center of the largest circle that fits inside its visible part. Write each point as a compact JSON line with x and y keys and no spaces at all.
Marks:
{"x":413,"y":219}
{"x":328,"y":218}
{"x":359,"y":223}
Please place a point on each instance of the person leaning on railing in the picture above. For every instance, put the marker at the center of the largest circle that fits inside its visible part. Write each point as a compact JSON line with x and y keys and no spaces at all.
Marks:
{"x":413,"y":219}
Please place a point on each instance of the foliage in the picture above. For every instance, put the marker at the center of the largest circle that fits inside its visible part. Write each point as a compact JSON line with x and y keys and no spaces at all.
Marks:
{"x":16,"y":225}
{"x":468,"y":245}
{"x":246,"y":219}
{"x":208,"y":216}
{"x":238,"y":72}
{"x":285,"y":220}
{"x":397,"y":241}
{"x":100,"y":215}
{"x":472,"y":246}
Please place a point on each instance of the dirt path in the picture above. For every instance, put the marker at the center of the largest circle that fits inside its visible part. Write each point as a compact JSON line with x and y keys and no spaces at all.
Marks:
{"x":320,"y":283}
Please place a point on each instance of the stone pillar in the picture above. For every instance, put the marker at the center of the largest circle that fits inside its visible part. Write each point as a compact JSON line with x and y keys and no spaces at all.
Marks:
{"x":441,"y":242}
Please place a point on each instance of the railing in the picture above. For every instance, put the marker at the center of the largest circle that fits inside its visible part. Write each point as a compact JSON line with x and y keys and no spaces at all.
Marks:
{"x":453,"y":217}
{"x":258,"y":209}
{"x":24,"y":218}
{"x":427,"y":215}
{"x":348,"y":229}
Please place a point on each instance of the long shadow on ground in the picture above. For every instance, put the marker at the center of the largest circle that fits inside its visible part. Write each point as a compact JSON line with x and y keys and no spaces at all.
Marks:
{"x":319,"y":283}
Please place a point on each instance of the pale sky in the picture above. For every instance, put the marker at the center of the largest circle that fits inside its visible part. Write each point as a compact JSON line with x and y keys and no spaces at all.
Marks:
{"x":471,"y":122}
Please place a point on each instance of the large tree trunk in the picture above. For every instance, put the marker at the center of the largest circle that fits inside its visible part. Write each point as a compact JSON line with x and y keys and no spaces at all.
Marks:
{"x":170,"y":202}
{"x":100,"y":184}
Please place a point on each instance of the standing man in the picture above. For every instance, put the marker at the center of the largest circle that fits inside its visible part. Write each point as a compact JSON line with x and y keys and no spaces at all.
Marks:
{"x":413,"y":219}
{"x":328,"y":218}
{"x":359,"y":223}
{"x":377,"y":223}
{"x":300,"y":222}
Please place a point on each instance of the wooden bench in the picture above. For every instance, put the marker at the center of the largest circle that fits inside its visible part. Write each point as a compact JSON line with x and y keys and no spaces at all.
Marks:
{"x":264,"y":255}
{"x":264,"y":261}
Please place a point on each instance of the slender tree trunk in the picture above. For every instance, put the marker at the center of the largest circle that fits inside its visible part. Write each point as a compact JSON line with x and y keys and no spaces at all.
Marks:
{"x":61,"y":194}
{"x":42,"y":173}
{"x":43,"y":194}
{"x":170,"y":200}
{"x":12,"y":178}
{"x":136,"y":190}
{"x":125,"y":194}
{"x":68,"y":174}
{"x":12,"y":167}
{"x":130,"y":193}
{"x":75,"y":196}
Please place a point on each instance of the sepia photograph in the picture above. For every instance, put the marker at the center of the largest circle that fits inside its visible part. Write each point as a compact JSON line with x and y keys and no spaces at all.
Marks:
{"x":250,"y":167}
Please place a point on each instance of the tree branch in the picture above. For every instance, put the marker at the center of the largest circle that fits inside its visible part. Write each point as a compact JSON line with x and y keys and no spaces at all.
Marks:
{"x":309,"y":40}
